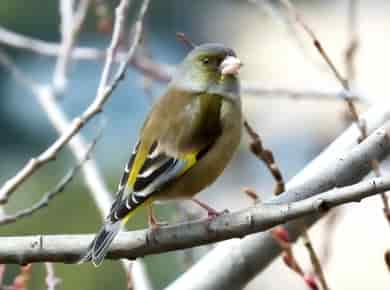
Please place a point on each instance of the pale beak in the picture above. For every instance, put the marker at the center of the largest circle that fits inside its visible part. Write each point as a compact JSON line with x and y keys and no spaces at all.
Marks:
{"x":230,"y":65}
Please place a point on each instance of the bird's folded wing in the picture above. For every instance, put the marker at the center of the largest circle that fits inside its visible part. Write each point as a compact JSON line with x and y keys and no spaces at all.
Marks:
{"x":144,"y":175}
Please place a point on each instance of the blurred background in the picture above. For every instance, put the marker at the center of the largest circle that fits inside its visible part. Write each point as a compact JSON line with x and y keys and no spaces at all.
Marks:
{"x":276,"y":55}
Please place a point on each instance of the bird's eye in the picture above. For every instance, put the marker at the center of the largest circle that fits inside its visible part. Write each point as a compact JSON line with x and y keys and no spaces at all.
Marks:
{"x":205,"y":60}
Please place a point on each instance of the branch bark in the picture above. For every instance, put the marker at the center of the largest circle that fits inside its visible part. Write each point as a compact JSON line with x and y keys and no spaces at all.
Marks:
{"x":69,"y":130}
{"x":130,"y":245}
{"x":261,"y":217}
{"x":232,"y":264}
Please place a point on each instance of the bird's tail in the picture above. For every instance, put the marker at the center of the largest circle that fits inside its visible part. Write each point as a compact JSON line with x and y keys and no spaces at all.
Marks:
{"x":99,"y":246}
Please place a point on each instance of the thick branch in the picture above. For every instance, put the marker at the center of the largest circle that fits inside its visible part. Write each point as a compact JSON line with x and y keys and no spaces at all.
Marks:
{"x":258,"y":218}
{"x":234,"y":263}
{"x":261,"y":217}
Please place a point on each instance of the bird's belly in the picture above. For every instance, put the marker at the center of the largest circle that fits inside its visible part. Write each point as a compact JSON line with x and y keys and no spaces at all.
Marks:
{"x":204,"y":172}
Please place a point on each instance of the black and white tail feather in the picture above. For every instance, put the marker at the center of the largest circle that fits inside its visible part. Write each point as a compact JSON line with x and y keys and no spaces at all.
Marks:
{"x":157,"y":169}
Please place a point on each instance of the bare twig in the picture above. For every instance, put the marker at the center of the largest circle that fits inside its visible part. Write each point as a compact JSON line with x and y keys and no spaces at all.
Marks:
{"x":139,"y":270}
{"x":344,"y":169}
{"x":272,"y":8}
{"x":162,"y":72}
{"x":266,"y":156}
{"x":71,"y":22}
{"x":181,"y":36}
{"x":130,"y":245}
{"x":46,"y":98}
{"x":59,"y":188}
{"x":314,"y":260}
{"x":281,"y":235}
{"x":52,"y":281}
{"x":353,"y":42}
{"x":346,"y":86}
{"x":232,"y":264}
{"x":253,"y":89}
{"x":104,"y":92}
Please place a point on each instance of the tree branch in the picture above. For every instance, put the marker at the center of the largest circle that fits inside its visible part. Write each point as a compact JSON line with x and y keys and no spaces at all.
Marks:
{"x":234,"y":263}
{"x":162,"y":72}
{"x":46,"y":97}
{"x":280,"y":209}
{"x":58,"y":118}
{"x":59,"y":188}
{"x":130,"y":245}
{"x":72,"y":20}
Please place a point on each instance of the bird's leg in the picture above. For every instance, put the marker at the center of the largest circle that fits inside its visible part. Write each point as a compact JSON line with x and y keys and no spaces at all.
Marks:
{"x":211,"y":213}
{"x":154,"y":224}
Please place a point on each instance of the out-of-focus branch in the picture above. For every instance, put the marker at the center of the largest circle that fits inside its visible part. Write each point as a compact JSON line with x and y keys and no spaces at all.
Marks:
{"x":45,"y":96}
{"x":314,"y":259}
{"x":353,"y":41}
{"x":232,"y":264}
{"x":68,"y":248}
{"x":282,"y":237}
{"x":162,"y":72}
{"x":72,"y":20}
{"x":266,"y":155}
{"x":346,"y":86}
{"x":59,"y":188}
{"x":52,"y":281}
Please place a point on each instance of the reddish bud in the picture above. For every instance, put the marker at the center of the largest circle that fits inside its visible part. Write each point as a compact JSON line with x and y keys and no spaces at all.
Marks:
{"x":251,"y":193}
{"x":310,"y":282}
{"x":287,"y":259}
{"x":281,"y":234}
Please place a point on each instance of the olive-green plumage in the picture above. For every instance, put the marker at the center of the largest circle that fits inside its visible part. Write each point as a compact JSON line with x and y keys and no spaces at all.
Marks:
{"x":186,"y":141}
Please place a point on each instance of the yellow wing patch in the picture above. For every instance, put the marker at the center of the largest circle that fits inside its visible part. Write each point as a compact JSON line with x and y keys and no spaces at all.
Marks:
{"x":190,"y":161}
{"x":141,"y":155}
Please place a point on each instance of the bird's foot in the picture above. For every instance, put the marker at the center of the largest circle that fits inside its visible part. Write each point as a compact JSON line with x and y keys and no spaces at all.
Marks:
{"x":211,"y":212}
{"x":153,"y":222}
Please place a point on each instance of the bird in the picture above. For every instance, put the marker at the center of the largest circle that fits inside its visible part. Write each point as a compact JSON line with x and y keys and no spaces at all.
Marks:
{"x":186,"y":141}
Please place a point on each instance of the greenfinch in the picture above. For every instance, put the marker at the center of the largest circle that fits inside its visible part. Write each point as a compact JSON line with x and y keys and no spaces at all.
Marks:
{"x":186,"y":141}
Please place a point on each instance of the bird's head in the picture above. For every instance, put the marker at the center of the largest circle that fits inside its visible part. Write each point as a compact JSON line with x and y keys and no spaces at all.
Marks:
{"x":210,"y":68}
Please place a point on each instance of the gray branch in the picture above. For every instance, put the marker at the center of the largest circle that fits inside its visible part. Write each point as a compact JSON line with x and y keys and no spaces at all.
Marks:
{"x":261,"y":217}
{"x":232,"y":264}
{"x":130,"y":245}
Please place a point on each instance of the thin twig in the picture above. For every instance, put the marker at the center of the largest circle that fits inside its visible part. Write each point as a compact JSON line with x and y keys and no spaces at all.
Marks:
{"x":281,"y":236}
{"x":52,"y":281}
{"x":353,"y":42}
{"x":72,"y":20}
{"x":59,"y":188}
{"x":272,"y":8}
{"x":289,"y":258}
{"x":104,"y":92}
{"x":346,"y":86}
{"x":234,"y":263}
{"x":181,"y":36}
{"x":46,"y":98}
{"x":266,"y":155}
{"x":314,"y":259}
{"x":162,"y":72}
